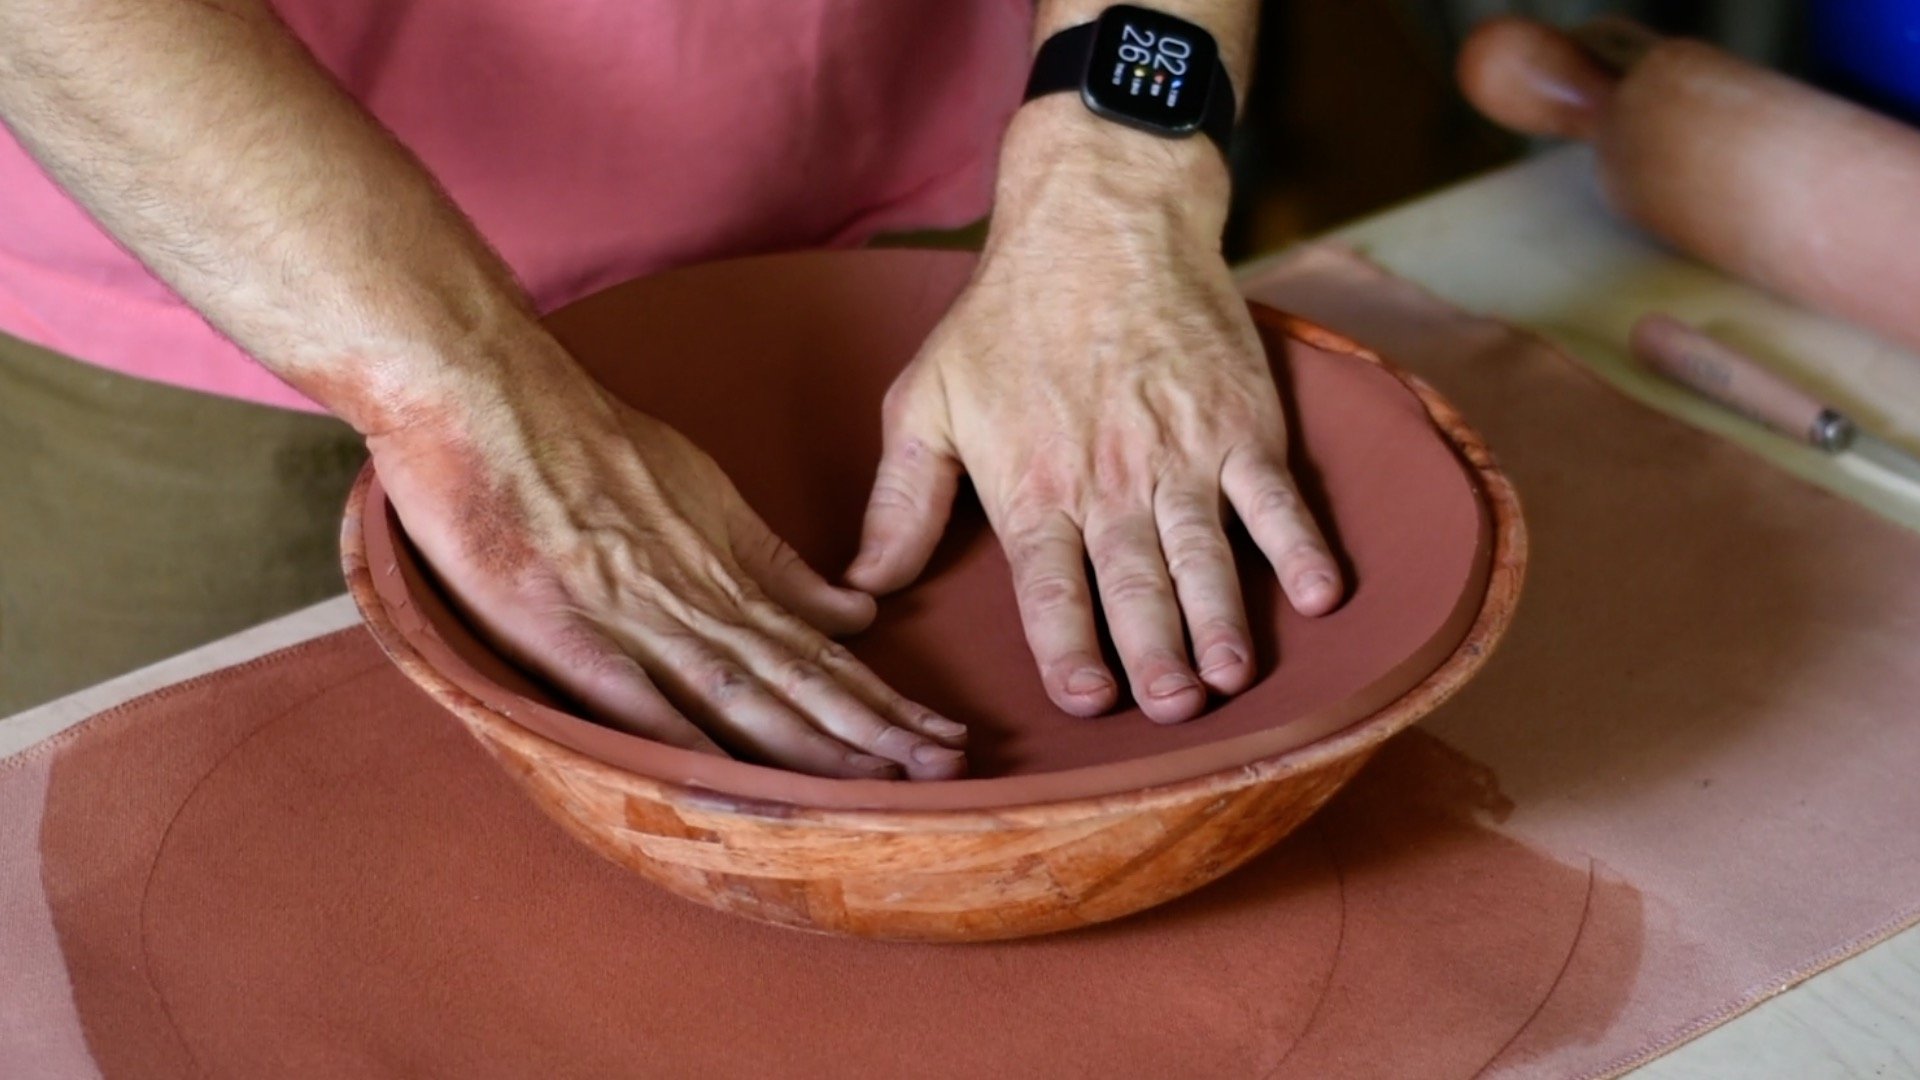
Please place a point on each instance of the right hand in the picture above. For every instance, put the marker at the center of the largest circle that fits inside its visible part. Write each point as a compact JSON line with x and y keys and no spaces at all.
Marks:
{"x":601,"y":549}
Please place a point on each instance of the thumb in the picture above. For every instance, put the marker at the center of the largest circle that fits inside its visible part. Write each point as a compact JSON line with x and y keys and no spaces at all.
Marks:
{"x":791,"y":583}
{"x":908,"y":509}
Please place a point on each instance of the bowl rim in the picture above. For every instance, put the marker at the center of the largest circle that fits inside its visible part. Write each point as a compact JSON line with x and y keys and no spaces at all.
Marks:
{"x":1507,"y":566}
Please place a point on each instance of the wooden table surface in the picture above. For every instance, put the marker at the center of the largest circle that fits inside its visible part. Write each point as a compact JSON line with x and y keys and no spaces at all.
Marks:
{"x":1532,"y":244}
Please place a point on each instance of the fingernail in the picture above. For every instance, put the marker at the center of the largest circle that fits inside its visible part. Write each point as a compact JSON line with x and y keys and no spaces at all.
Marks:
{"x":858,"y":598}
{"x":864,"y":561}
{"x":1169,"y":684}
{"x":1087,"y":681}
{"x":869,"y":764}
{"x":943,"y":728}
{"x":1221,"y":656}
{"x":1314,"y":585}
{"x":935,"y":755}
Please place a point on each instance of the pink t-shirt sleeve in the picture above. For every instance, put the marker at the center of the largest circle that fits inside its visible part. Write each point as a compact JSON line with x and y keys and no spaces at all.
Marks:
{"x":592,"y":142}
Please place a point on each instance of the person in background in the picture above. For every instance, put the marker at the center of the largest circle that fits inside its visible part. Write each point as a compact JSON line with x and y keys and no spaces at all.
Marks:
{"x":221,"y":221}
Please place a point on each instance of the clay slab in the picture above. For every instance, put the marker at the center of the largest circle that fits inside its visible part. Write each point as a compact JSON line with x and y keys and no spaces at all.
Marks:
{"x":777,"y":365}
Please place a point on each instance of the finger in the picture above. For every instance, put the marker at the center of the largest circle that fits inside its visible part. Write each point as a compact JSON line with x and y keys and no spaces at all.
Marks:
{"x":1207,"y":586}
{"x":743,"y":713}
{"x":1056,"y":608}
{"x":1143,"y":616}
{"x":847,"y":669}
{"x":588,"y":666}
{"x":811,"y":689}
{"x":786,"y":577}
{"x":912,"y":499}
{"x":1269,"y":506}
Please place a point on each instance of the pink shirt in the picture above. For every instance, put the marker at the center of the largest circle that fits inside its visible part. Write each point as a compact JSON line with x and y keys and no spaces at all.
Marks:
{"x":592,"y":141}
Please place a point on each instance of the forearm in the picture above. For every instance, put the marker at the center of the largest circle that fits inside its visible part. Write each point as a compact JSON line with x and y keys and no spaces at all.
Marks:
{"x":1061,"y":167}
{"x":207,"y":141}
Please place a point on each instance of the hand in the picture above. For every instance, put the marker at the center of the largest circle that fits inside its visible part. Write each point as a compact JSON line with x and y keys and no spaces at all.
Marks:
{"x":1103,"y":385}
{"x":601,"y":549}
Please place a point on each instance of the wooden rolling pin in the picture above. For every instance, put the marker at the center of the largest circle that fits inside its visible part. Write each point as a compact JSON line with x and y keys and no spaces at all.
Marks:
{"x":1769,"y":179}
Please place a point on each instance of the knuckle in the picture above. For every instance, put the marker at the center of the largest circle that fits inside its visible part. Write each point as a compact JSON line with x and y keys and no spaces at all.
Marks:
{"x":1186,"y":562}
{"x":600,"y":669}
{"x":1187,"y":508}
{"x":800,"y":677}
{"x":899,"y":398}
{"x":578,"y":648}
{"x":1221,"y":629}
{"x":722,"y":680}
{"x":1050,"y":592}
{"x":1152,"y":662}
{"x":545,"y":595}
{"x":1114,"y":536}
{"x":756,"y":608}
{"x":1124,"y":458}
{"x":1300,"y":553}
{"x":1197,"y":551}
{"x":892,"y":495}
{"x":835,"y":657}
{"x":884,"y":738}
{"x":1028,"y":544}
{"x":1112,"y":463}
{"x":911,"y":453}
{"x":1241,"y":412}
{"x":1103,"y":528}
{"x":769,"y":550}
{"x":1046,"y":484}
{"x":1120,"y":500}
{"x":586,"y":657}
{"x":1130,"y":586}
{"x":614,"y":667}
{"x":777,"y":552}
{"x":706,"y":590}
{"x":614,"y":553}
{"x":1029,"y":507}
{"x":1275,"y":502}
{"x":784,"y":626}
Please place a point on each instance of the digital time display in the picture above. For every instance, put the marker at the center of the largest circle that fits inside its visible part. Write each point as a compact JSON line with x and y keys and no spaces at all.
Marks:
{"x":1150,"y":70}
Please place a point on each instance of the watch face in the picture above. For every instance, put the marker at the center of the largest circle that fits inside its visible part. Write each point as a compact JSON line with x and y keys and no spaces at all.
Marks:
{"x":1150,"y":70}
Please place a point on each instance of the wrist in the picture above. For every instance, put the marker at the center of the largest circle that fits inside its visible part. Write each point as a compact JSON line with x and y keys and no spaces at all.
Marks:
{"x":1231,"y":22}
{"x":482,"y":389}
{"x":1064,"y":168}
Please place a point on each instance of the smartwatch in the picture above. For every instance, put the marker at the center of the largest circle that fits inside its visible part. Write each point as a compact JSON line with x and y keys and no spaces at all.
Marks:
{"x":1142,"y":68}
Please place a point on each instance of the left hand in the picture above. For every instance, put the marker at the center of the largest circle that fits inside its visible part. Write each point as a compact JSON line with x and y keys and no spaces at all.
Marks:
{"x":1103,"y":385}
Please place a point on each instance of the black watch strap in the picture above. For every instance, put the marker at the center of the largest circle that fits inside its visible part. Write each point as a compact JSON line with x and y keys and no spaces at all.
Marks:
{"x":1061,"y":65}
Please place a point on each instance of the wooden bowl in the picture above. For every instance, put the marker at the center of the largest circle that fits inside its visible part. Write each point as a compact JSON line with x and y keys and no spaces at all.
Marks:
{"x":947,"y":869}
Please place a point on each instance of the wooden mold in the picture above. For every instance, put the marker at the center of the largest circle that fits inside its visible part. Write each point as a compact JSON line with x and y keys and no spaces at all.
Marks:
{"x":961,"y":874}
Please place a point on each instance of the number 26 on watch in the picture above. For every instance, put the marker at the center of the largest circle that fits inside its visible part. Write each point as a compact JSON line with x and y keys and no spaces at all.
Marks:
{"x":1137,"y":46}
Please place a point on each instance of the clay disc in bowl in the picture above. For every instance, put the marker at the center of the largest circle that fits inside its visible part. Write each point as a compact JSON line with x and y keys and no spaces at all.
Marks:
{"x":777,"y":366}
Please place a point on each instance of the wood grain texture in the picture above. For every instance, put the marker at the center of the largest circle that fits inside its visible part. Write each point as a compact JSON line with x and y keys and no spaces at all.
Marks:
{"x":965,"y":875}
